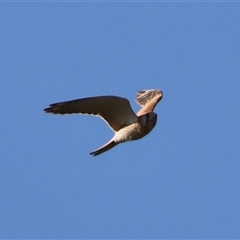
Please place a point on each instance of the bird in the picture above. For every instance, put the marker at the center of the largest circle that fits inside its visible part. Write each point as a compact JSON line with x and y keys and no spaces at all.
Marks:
{"x":118,"y":114}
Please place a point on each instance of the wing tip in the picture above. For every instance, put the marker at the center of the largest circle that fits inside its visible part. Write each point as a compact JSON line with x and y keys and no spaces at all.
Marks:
{"x":93,"y":154}
{"x":104,"y":148}
{"x":51,"y":110}
{"x":144,"y":96}
{"x":55,"y":108}
{"x":47,"y":110}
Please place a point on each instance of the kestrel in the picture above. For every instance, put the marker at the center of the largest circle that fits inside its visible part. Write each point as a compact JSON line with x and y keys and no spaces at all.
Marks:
{"x":118,"y":114}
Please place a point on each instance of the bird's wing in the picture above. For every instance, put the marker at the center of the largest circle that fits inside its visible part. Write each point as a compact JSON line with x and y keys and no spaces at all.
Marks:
{"x":116,"y":111}
{"x":148,"y":99}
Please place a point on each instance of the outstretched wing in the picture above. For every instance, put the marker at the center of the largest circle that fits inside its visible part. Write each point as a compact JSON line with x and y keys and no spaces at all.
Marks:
{"x":116,"y":111}
{"x":148,"y":99}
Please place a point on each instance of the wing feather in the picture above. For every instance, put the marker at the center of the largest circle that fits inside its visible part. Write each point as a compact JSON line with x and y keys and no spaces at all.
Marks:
{"x":148,"y":99}
{"x":116,"y":111}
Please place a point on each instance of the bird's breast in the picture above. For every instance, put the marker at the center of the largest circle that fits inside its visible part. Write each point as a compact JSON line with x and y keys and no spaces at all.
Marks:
{"x":132,"y":132}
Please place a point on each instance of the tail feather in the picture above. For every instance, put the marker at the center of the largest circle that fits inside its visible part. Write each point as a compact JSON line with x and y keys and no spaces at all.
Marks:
{"x":104,"y":148}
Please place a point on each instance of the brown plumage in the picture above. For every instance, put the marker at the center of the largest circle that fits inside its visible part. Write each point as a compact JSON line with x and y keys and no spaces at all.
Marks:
{"x":117,"y":112}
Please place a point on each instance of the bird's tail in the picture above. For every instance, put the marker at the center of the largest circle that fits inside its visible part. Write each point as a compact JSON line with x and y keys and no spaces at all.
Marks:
{"x":104,"y":148}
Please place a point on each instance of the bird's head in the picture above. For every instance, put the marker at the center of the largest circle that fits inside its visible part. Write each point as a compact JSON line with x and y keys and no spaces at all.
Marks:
{"x":148,"y":121}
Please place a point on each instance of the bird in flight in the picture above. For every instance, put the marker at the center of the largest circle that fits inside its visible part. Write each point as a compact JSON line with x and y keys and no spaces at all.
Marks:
{"x":118,"y":114}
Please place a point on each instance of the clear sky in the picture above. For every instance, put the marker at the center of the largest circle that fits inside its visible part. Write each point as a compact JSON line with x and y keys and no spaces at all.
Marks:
{"x":180,"y":181}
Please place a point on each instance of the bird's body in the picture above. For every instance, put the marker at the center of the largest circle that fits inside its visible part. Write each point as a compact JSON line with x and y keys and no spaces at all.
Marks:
{"x":117,"y":112}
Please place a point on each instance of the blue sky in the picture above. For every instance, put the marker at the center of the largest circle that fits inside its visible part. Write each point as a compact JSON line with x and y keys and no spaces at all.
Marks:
{"x":180,"y":181}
